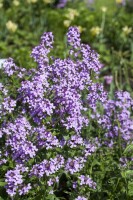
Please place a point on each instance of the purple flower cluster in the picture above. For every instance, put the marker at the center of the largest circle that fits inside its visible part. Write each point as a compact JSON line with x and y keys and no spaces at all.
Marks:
{"x":73,"y":37}
{"x":56,"y":89}
{"x":7,"y":104}
{"x":117,"y":120}
{"x":47,"y":167}
{"x":86,"y":180}
{"x":46,"y":139}
{"x":32,"y":94}
{"x":14,"y":181}
{"x":40,"y":52}
{"x":10,"y":68}
{"x":56,"y":103}
{"x":75,"y":164}
{"x":96,"y":95}
{"x":17,"y":134}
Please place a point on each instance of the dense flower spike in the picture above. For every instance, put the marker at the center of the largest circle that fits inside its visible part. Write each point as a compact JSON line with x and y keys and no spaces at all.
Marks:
{"x":117,"y":118}
{"x":17,"y":140}
{"x":14,"y":179}
{"x":7,"y":104}
{"x":73,"y":37}
{"x":39,"y":53}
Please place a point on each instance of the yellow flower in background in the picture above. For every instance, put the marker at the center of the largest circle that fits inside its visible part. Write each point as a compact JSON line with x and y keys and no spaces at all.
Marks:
{"x":126,"y":30}
{"x":81,"y":29}
{"x":11,"y":26}
{"x":71,"y":14}
{"x":47,"y":1}
{"x":67,"y":23}
{"x":1,"y":5}
{"x":119,"y":1}
{"x":95,"y":30}
{"x":16,"y":3}
{"x":32,"y":1}
{"x":104,"y":9}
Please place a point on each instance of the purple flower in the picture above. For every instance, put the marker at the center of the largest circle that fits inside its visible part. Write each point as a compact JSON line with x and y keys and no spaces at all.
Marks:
{"x":14,"y":179}
{"x":86,"y":180}
{"x":52,"y":181}
{"x":47,"y":167}
{"x":73,"y":37}
{"x":24,"y":189}
{"x":61,"y":4}
{"x":75,"y":141}
{"x":74,"y":165}
{"x":9,"y":67}
{"x":108,"y":79}
{"x":81,"y":198}
{"x":17,"y":134}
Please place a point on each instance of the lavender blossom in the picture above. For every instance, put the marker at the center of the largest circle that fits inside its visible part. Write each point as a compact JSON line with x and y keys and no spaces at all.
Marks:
{"x":74,"y":165}
{"x":108,"y":79}
{"x":17,"y":139}
{"x":14,"y":180}
{"x":86,"y":180}
{"x":73,"y":37}
{"x":24,"y":189}
{"x":61,"y":4}
{"x":47,"y":167}
{"x":52,"y":181}
{"x":81,"y":198}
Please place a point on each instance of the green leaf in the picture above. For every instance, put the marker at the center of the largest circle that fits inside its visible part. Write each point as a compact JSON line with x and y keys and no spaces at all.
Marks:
{"x":129,"y":148}
{"x":2,"y":184}
{"x":129,"y":173}
{"x":130,"y":188}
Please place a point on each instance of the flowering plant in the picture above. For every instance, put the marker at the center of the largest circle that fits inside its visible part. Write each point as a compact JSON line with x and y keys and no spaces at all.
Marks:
{"x":61,"y":134}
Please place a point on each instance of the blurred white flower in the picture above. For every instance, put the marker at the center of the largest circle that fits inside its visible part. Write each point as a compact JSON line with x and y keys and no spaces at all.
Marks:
{"x":126,"y":30}
{"x":104,"y":9}
{"x":81,"y":29}
{"x":32,"y":1}
{"x":47,"y":1}
{"x":67,"y":23}
{"x":11,"y":26}
{"x":16,"y":3}
{"x":1,"y":5}
{"x":71,"y":14}
{"x":96,"y":30}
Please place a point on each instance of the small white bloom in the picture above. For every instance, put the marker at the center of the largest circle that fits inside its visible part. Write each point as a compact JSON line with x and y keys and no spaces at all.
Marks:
{"x":11,"y":26}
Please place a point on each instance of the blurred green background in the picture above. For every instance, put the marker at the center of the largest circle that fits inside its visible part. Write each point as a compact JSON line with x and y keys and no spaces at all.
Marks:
{"x":106,"y":25}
